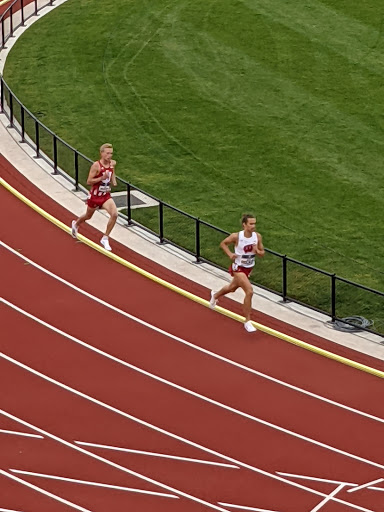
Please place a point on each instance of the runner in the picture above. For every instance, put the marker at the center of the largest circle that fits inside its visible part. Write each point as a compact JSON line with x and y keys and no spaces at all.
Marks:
{"x":247,"y":244}
{"x":101,"y":175}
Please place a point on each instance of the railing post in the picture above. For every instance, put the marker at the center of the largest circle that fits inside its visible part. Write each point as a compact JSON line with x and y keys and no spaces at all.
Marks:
{"x":22,"y":122}
{"x":22,"y":13}
{"x":161,"y":222}
{"x":197,"y":240}
{"x":284,"y":277}
{"x":11,"y":22}
{"x":129,"y":206}
{"x":76,"y":171}
{"x":2,"y":33}
{"x":1,"y":95}
{"x":36,"y":9}
{"x":333,"y":297}
{"x":37,"y":135}
{"x":10,"y":109}
{"x":54,"y":154}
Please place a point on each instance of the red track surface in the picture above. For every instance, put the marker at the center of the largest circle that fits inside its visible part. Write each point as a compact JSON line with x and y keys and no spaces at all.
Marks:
{"x":183,"y":381}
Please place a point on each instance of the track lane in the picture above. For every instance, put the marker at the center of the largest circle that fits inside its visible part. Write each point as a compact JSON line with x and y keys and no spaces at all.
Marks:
{"x":18,"y":497}
{"x":36,"y":236}
{"x":216,"y":380}
{"x":301,"y":465}
{"x":206,"y":340}
{"x":262,"y":488}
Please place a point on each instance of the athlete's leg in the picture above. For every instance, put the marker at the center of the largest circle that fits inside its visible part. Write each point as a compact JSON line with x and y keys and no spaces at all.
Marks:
{"x":76,"y":223}
{"x":243,"y":282}
{"x":110,"y":207}
{"x":229,"y":288}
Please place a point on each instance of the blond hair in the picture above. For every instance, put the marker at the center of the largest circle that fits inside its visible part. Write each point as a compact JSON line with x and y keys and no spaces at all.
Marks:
{"x":105,"y":146}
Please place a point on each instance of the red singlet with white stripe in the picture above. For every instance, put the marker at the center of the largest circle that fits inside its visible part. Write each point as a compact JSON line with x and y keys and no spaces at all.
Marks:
{"x":100,"y":192}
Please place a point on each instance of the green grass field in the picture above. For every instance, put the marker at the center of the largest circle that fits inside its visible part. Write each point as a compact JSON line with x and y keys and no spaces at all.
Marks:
{"x":220,"y":107}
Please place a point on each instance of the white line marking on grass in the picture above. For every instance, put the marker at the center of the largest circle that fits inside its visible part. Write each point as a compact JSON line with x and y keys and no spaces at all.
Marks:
{"x":191,"y":345}
{"x":157,"y":429}
{"x":15,"y":433}
{"x":42,"y":491}
{"x":198,"y":395}
{"x":366,"y":485}
{"x":95,"y":484}
{"x":153,"y":454}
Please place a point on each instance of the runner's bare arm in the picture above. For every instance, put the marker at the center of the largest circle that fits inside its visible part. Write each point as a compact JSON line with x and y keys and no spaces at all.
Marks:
{"x":259,"y":247}
{"x":230,"y":240}
{"x":93,"y":172}
{"x":113,"y":177}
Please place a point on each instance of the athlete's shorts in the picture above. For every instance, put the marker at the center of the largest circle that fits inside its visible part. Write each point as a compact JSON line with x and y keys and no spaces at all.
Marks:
{"x":234,"y":268}
{"x":97,"y":201}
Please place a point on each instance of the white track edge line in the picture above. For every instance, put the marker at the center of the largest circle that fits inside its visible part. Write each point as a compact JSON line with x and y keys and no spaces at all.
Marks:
{"x":94,"y":484}
{"x":243,"y":507}
{"x":189,"y":344}
{"x":111,"y":463}
{"x":198,"y":395}
{"x":15,"y":433}
{"x":154,"y":454}
{"x":43,"y":491}
{"x":157,"y":429}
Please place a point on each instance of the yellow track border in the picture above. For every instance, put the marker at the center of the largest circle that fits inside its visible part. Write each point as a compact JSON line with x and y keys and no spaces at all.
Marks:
{"x":191,"y":296}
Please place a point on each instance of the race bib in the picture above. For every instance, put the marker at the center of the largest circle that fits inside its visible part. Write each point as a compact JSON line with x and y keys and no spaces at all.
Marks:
{"x":247,"y":260}
{"x":104,"y":189}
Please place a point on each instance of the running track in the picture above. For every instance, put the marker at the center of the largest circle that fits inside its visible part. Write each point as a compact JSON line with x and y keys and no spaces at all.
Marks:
{"x":131,"y":397}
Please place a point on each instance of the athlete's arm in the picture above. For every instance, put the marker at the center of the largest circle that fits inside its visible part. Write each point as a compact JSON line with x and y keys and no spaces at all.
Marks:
{"x":93,"y":172}
{"x":230,"y":240}
{"x":259,"y":247}
{"x":113,"y":177}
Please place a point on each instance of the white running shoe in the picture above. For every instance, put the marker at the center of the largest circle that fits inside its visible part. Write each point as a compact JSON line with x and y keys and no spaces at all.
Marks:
{"x":105,"y":243}
{"x":75,"y":229}
{"x":212,"y":302}
{"x":249,"y":327}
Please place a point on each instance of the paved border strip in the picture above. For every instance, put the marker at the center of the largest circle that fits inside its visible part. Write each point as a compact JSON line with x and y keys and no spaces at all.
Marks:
{"x":191,"y":296}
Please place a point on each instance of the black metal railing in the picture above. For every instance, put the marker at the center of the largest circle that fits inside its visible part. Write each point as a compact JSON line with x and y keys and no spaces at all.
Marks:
{"x":292,"y":280}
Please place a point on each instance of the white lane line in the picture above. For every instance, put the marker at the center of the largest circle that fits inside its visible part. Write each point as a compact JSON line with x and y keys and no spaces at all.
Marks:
{"x":198,"y":395}
{"x":191,"y":345}
{"x":376,"y":489}
{"x":42,"y":491}
{"x":153,"y":454}
{"x":112,"y":464}
{"x":328,"y":498}
{"x":315,"y":479}
{"x":243,"y":507}
{"x":366,"y":485}
{"x":14,"y":433}
{"x":95,"y":484}
{"x":8,"y":510}
{"x":157,"y":429}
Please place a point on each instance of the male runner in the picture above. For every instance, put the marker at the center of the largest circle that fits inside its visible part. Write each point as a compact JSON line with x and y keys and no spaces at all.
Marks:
{"x":100,"y":177}
{"x":247,"y":244}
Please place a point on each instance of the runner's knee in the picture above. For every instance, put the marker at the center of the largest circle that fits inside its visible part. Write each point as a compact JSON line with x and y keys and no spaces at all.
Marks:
{"x":248,"y":292}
